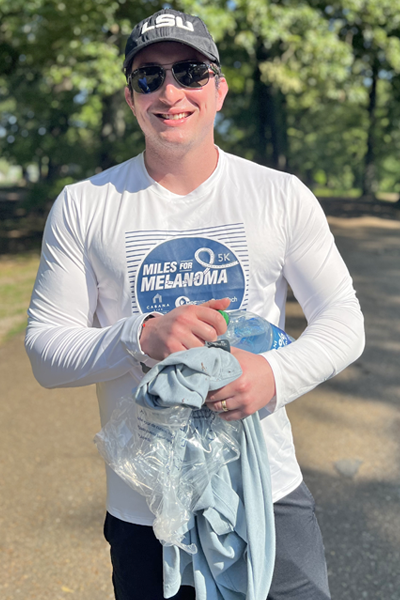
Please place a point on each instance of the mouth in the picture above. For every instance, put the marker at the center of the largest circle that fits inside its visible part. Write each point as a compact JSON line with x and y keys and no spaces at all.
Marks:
{"x":173,"y":117}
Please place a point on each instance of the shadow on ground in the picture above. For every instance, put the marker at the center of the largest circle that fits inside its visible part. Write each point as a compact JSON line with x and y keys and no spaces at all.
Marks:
{"x":360,"y":525}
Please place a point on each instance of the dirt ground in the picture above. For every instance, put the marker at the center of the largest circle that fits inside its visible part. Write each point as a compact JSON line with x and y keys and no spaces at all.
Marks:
{"x":346,"y":433}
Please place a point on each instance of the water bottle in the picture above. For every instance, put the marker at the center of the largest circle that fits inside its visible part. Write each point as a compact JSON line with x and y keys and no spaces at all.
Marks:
{"x":251,"y":332}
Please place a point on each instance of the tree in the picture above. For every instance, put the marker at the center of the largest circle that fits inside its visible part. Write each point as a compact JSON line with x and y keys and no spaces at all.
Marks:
{"x":314,"y":86}
{"x":372,"y":29}
{"x":274,"y":52}
{"x":61,"y":86}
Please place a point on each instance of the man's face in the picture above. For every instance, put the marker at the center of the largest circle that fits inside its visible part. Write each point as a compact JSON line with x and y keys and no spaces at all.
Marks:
{"x":174,"y":116}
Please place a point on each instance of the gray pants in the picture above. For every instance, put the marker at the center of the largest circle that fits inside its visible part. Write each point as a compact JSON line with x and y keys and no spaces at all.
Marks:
{"x":300,"y":568}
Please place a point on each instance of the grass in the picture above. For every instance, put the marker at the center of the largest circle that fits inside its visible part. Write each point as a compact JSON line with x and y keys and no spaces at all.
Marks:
{"x":17,"y":276}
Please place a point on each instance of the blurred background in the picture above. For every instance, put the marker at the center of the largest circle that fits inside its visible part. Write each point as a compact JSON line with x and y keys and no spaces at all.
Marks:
{"x":314,"y":90}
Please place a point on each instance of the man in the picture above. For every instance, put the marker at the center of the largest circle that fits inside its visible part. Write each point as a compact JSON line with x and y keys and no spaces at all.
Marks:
{"x":137,"y":259}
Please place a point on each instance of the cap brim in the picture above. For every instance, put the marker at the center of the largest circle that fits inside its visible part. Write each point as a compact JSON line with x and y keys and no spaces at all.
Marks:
{"x":135,"y":51}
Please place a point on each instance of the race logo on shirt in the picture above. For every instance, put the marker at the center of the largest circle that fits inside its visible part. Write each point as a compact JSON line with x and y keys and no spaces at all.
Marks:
{"x":188,"y":270}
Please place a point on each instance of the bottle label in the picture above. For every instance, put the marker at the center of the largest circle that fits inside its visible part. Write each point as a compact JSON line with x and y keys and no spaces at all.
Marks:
{"x":279,"y":338}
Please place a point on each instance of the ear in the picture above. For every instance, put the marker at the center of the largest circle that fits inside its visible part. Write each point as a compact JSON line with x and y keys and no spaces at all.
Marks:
{"x":129,"y":100}
{"x":221,"y":92}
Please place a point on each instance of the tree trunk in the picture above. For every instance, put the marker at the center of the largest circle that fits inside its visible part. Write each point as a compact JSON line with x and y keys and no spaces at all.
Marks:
{"x":370,"y":182}
{"x":113,"y":128}
{"x":270,"y":140}
{"x":261,"y":103}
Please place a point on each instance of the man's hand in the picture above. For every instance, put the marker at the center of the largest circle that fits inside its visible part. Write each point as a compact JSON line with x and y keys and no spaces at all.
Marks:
{"x":247,"y":394}
{"x":184,"y":327}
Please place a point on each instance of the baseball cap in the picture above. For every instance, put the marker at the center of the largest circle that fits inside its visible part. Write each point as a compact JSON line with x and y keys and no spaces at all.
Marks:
{"x":170,"y":25}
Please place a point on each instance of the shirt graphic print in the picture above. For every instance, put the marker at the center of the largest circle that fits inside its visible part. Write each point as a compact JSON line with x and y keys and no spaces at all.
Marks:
{"x":170,"y":268}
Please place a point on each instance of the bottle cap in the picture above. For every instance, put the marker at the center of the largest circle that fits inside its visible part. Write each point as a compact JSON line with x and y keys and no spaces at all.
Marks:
{"x":225,"y":315}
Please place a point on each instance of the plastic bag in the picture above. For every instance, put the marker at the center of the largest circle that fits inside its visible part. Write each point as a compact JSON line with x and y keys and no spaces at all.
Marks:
{"x":169,"y":456}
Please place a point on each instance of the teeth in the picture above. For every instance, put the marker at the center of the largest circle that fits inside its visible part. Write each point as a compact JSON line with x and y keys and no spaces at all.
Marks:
{"x":174,"y":117}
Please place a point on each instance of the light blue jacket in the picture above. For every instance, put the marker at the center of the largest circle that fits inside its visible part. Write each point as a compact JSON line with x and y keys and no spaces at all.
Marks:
{"x":232,"y":523}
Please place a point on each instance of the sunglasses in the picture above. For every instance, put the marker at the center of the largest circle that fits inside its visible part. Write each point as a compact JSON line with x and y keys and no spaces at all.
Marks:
{"x":188,"y":73}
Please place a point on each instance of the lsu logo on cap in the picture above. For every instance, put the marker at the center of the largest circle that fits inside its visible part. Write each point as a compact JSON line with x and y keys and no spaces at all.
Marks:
{"x":167,"y":21}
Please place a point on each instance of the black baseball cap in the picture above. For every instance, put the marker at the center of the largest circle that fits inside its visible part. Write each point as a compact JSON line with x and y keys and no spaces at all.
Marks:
{"x":170,"y":25}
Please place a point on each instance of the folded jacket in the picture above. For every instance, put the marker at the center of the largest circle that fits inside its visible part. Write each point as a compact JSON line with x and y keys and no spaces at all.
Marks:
{"x":232,"y":524}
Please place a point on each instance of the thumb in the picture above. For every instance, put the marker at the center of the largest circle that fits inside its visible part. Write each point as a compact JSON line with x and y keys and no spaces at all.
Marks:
{"x":220,"y":304}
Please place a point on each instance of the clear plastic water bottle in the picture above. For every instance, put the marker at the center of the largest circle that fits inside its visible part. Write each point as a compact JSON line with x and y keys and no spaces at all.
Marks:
{"x":251,"y":332}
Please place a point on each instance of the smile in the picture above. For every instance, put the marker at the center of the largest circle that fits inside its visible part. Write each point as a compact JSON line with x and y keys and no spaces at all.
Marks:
{"x":176,"y":117}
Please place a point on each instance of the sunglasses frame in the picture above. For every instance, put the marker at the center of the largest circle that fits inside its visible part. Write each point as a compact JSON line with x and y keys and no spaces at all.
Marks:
{"x":212,"y":69}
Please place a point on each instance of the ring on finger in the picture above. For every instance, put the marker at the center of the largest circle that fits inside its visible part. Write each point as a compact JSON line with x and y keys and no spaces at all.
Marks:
{"x":224,"y":406}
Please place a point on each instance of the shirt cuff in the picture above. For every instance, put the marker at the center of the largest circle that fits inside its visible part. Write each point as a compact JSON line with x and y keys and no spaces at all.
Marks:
{"x":130,"y":335}
{"x":272,"y":405}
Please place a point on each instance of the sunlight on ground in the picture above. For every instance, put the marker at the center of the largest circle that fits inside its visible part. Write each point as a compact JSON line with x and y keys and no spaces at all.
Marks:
{"x":364,"y":221}
{"x":17,"y":276}
{"x":346,"y":428}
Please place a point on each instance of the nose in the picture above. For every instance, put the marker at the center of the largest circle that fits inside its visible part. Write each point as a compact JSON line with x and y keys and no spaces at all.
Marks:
{"x":171,"y":91}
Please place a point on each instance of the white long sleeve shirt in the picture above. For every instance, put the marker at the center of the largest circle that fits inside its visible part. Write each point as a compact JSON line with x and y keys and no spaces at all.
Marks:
{"x":119,"y":246}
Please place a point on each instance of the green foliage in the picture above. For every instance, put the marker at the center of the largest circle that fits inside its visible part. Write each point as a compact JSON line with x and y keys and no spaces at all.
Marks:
{"x":371,"y":28}
{"x":314,"y":86}
{"x":284,"y":59}
{"x":61,"y":87}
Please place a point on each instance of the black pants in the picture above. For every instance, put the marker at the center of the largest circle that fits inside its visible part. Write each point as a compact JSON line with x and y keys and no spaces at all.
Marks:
{"x":300,"y":568}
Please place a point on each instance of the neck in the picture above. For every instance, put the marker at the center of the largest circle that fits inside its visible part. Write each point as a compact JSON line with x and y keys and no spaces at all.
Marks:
{"x":181,"y":170}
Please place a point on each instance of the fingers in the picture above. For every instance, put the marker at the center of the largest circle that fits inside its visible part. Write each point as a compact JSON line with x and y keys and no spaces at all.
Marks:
{"x":222,"y":400}
{"x":220,"y":304}
{"x":220,"y":406}
{"x":213,"y":317}
{"x":185,"y":327}
{"x":227,"y":409}
{"x":210,"y":318}
{"x":168,"y":334}
{"x":254,"y":389}
{"x":203,"y":322}
{"x":232,"y":415}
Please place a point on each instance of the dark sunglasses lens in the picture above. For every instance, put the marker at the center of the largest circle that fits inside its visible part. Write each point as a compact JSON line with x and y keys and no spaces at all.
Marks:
{"x":147,"y":79}
{"x":191,"y":74}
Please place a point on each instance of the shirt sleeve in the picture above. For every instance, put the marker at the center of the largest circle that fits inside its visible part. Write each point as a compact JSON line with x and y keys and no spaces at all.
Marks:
{"x":334,"y":336}
{"x":62,"y":341}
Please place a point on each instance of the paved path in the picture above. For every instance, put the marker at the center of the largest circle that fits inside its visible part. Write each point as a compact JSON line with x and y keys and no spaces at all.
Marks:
{"x":346,"y":432}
